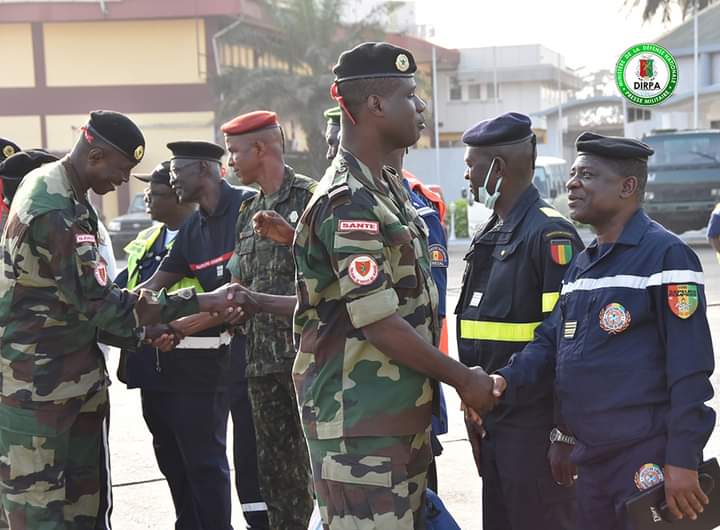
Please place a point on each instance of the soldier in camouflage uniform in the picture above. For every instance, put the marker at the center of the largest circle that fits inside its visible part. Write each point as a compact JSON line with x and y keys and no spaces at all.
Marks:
{"x":12,"y":171}
{"x":55,"y":295}
{"x":367,"y":367}
{"x":255,"y":144}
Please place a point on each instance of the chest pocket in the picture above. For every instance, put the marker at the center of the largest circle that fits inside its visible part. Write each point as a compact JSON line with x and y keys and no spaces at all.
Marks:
{"x":497,"y":299}
{"x":401,"y":258}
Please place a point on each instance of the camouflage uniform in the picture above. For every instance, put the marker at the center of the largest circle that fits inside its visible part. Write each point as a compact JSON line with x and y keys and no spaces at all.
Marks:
{"x":361,"y":256}
{"x":53,"y":383}
{"x":266,"y":267}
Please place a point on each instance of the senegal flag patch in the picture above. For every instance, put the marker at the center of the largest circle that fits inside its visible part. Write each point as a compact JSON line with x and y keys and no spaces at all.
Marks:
{"x":683,"y":299}
{"x":561,"y":251}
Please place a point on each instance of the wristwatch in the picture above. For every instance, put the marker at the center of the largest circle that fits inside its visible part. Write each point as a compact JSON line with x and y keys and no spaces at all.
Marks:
{"x":556,"y":435}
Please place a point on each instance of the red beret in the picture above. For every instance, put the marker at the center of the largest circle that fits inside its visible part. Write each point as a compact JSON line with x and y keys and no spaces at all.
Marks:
{"x":250,"y":122}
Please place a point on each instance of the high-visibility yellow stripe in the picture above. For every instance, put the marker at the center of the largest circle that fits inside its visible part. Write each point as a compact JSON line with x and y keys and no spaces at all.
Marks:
{"x":499,"y":331}
{"x":548,"y":301}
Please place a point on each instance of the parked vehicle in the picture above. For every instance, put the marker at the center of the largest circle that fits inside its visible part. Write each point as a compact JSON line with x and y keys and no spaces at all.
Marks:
{"x":125,"y":228}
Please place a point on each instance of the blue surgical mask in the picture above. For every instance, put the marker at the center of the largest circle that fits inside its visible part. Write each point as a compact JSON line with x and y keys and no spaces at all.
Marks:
{"x":491,"y":199}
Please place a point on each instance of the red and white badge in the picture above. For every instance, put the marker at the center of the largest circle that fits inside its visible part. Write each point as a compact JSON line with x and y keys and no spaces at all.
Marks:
{"x":101,"y":273}
{"x":357,"y":225}
{"x":85,"y":238}
{"x":363,"y":270}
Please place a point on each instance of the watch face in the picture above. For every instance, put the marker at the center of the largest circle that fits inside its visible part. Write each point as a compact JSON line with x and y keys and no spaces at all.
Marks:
{"x":554,"y":435}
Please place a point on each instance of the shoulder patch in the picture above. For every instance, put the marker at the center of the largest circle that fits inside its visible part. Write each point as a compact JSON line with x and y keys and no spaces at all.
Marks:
{"x":552,"y":212}
{"x":561,"y":251}
{"x":683,"y":299}
{"x":438,"y":255}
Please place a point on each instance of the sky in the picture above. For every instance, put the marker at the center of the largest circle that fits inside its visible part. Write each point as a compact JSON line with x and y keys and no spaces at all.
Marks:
{"x":589,"y":33}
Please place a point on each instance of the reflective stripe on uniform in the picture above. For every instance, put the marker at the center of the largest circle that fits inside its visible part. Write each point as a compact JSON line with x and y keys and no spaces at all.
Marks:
{"x":498,"y":331}
{"x":254,"y":507}
{"x":635,"y":282}
{"x":549,"y":300}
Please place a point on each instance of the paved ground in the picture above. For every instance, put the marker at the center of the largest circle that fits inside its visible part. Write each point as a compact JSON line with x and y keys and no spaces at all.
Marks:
{"x":141,"y":496}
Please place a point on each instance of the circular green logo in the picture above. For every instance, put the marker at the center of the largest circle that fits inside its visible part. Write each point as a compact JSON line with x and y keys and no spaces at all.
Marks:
{"x":646,"y":74}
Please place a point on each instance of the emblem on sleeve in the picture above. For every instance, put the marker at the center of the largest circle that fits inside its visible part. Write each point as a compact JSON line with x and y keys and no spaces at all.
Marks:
{"x":101,"y":274}
{"x":438,"y":255}
{"x":293,"y":217}
{"x":85,"y":238}
{"x":371,"y":227}
{"x":363,"y":270}
{"x":648,"y":476}
{"x":683,"y":299}
{"x":561,"y":251}
{"x":614,"y":318}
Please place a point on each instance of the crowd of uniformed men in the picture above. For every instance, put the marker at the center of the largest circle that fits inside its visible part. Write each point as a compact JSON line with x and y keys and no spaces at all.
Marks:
{"x":313,"y":314}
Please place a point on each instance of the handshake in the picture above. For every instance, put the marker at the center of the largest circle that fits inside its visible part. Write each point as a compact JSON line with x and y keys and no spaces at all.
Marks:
{"x":235,"y":302}
{"x":231,"y":304}
{"x":480,"y":393}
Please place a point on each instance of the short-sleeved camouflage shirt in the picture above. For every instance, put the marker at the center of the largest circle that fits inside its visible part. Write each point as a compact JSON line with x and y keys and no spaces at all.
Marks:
{"x":361,"y":256}
{"x":55,"y":293}
{"x":267,"y":267}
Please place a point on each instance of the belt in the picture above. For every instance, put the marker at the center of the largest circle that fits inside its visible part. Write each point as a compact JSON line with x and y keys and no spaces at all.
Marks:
{"x":204,"y":343}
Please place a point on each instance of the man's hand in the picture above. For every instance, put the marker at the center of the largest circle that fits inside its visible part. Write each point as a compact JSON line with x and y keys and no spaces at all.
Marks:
{"x":162,"y":336}
{"x":683,"y":494}
{"x":476,"y":391}
{"x":222,"y":301}
{"x":249,"y":305}
{"x":271,"y":225}
{"x":563,"y":470}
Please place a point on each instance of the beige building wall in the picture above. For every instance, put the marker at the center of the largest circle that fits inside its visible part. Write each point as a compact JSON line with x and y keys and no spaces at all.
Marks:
{"x":158,"y":129}
{"x":23,"y":130}
{"x":141,"y":52}
{"x":17,"y":58}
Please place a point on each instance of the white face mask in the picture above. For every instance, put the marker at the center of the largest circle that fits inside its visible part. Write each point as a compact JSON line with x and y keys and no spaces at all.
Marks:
{"x":491,"y":199}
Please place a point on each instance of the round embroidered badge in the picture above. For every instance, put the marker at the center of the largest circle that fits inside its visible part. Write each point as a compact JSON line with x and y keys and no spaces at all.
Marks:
{"x":363,"y":270}
{"x":648,"y":476}
{"x":614,"y":318}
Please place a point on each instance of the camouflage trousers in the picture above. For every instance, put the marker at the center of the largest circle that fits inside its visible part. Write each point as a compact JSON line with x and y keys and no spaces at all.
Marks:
{"x":371,"y":483}
{"x":50,"y":477}
{"x":282,"y":455}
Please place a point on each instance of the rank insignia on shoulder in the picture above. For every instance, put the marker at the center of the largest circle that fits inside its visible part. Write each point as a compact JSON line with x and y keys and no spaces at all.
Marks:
{"x":683,"y":299}
{"x":85,"y":238}
{"x":438,"y":255}
{"x":569,"y":329}
{"x":614,"y":318}
{"x":561,"y":251}
{"x":363,"y":270}
{"x":551,"y":212}
{"x":358,"y":225}
{"x":648,"y":476}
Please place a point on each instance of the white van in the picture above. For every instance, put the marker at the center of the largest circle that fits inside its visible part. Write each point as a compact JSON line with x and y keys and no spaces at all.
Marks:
{"x":549,"y":178}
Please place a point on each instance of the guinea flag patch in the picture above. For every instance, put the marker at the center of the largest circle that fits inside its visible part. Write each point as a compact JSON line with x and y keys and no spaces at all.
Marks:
{"x":561,"y":251}
{"x":683,"y":299}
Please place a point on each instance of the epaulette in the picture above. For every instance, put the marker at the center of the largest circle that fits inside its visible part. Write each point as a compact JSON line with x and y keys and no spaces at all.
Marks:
{"x":552,"y":212}
{"x":246,"y":202}
{"x":304,"y":183}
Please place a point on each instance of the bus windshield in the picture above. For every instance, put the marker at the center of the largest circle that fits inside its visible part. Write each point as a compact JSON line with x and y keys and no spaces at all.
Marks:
{"x":684,"y":150}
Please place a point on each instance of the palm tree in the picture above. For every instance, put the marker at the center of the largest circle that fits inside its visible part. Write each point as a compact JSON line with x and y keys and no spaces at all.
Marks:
{"x":307,"y":39}
{"x":651,"y":7}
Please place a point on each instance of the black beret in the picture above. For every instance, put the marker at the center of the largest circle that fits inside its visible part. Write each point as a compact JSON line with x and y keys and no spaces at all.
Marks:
{"x":612,"y":146}
{"x":7,"y":148}
{"x":374,"y":59}
{"x":196,"y":149}
{"x":506,"y":129}
{"x":159,"y":175}
{"x":117,"y":130}
{"x":15,"y":167}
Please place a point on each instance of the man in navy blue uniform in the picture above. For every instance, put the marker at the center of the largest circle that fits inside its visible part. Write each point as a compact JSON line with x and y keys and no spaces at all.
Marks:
{"x":511,"y":283}
{"x":628,"y":345}
{"x":182,"y":390}
{"x":201,"y":250}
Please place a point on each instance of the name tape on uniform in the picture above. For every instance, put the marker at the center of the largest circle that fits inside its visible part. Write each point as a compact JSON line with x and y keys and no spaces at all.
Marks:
{"x":371,"y":227}
{"x":85,"y":238}
{"x":476,"y":299}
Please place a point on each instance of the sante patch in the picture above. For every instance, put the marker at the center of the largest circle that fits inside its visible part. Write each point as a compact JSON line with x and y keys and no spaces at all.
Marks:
{"x":85,"y":238}
{"x":371,"y":227}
